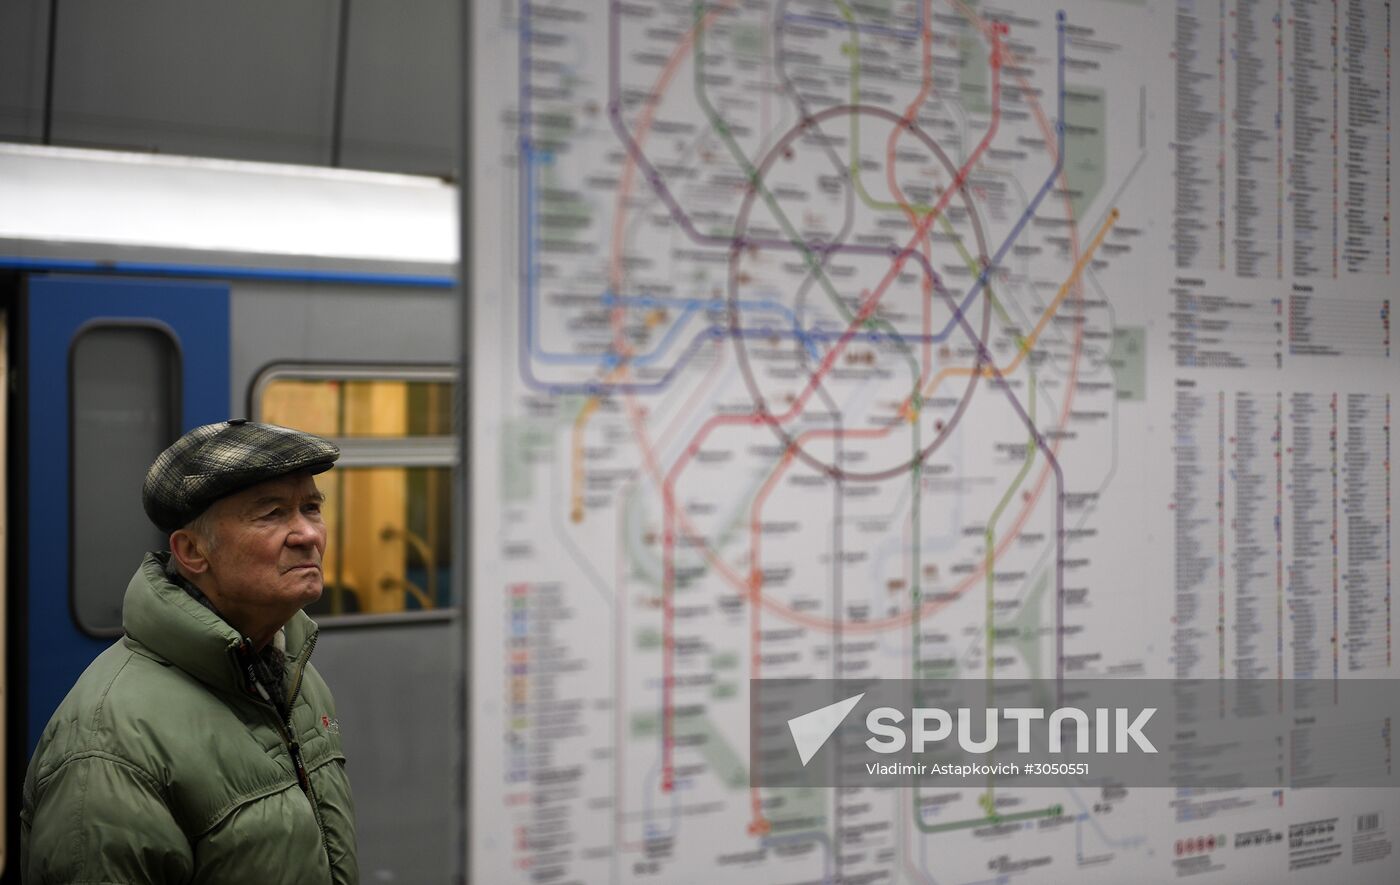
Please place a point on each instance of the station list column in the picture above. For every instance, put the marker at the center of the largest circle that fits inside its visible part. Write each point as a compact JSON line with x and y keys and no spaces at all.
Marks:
{"x":1198,"y":217}
{"x":1257,"y":118}
{"x":1366,"y":137}
{"x":1310,"y":492}
{"x":1366,"y":504}
{"x":1312,"y":172}
{"x":1197,"y":642}
{"x":1256,"y":556}
{"x":543,"y":782}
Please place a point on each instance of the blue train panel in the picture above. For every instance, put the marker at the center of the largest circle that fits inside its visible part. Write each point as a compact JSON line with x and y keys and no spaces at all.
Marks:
{"x":60,"y":308}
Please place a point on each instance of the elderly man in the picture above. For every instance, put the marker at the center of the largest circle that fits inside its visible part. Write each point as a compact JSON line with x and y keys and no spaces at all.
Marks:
{"x":202,"y":747}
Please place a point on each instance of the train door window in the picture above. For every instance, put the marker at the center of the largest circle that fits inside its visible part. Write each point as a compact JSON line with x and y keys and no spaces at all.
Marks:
{"x":125,"y":394}
{"x":388,"y":505}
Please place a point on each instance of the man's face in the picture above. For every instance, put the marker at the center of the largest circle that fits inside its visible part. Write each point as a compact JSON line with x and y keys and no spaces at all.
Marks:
{"x":268,"y":543}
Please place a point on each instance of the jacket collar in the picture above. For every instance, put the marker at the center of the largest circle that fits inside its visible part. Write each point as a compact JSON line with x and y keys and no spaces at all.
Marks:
{"x":171,"y":624}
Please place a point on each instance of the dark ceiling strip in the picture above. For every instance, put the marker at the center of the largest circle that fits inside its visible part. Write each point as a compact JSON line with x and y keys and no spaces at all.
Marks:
{"x":338,"y":110}
{"x":49,"y":72}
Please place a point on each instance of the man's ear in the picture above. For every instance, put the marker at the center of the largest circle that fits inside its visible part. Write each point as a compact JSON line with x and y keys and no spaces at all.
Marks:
{"x":189,"y":552}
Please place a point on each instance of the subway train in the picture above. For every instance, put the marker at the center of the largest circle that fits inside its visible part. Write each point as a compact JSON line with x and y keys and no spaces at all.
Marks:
{"x":145,"y":295}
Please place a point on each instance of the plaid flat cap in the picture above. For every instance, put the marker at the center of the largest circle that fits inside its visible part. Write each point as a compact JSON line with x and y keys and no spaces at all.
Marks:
{"x":219,"y":459}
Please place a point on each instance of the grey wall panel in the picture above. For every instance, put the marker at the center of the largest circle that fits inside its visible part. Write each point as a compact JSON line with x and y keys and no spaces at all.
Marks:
{"x":395,"y":701}
{"x":291,"y":322}
{"x":394,"y":685}
{"x":251,"y":80}
{"x":401,"y":86}
{"x":24,"y":35}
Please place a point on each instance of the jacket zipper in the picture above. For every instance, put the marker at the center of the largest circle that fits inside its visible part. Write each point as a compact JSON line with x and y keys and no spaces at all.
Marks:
{"x":287,"y":731}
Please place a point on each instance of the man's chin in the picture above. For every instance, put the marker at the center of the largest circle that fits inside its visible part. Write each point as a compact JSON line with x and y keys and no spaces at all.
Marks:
{"x":308,"y":588}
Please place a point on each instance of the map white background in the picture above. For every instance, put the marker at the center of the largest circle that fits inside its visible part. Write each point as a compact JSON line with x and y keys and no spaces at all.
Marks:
{"x":632,"y":498}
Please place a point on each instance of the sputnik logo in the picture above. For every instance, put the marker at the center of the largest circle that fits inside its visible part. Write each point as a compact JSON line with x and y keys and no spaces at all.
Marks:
{"x":812,"y":730}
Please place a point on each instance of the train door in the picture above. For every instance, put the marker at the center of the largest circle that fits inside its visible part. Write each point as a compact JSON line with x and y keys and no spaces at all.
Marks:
{"x":5,"y":737}
{"x":116,"y":370}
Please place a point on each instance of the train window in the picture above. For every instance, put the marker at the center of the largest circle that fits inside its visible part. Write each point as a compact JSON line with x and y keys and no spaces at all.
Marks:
{"x":360,"y":407}
{"x":388,"y":503}
{"x":125,"y":395}
{"x":389,"y":546}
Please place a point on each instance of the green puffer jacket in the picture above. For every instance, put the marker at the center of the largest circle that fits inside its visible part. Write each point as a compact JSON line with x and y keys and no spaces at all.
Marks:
{"x":163,"y":766}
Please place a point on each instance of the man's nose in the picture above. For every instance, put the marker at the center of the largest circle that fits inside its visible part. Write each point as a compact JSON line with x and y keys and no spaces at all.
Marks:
{"x":304,"y":530}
